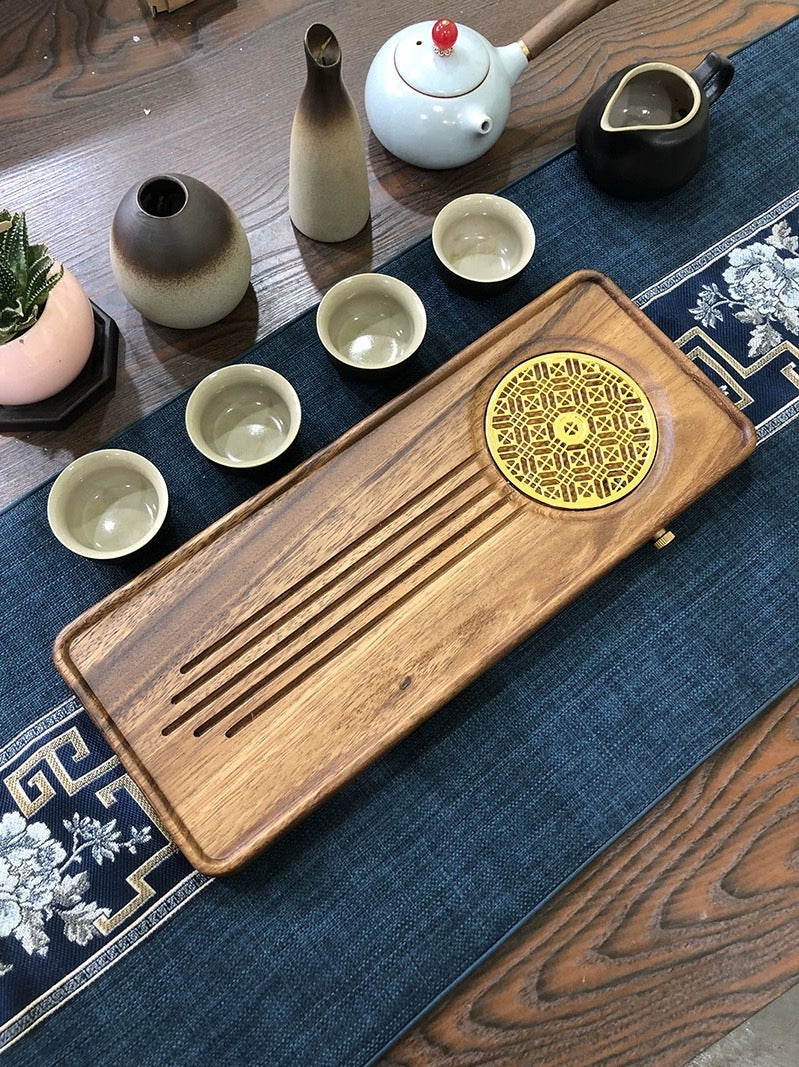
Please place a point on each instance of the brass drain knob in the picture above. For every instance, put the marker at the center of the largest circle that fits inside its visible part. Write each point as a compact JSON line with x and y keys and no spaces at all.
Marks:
{"x":571,"y":430}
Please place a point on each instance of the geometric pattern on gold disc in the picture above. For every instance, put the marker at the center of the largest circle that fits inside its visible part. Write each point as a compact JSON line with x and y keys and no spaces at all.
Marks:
{"x":571,"y":430}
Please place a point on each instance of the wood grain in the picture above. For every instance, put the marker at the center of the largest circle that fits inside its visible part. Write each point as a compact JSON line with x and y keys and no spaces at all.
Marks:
{"x":97,"y":95}
{"x":673,"y":936}
{"x":95,"y":92}
{"x":281,"y":665}
{"x":566,"y":17}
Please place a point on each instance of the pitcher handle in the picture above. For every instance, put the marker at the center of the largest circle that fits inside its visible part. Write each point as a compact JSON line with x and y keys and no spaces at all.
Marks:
{"x":713,"y":75}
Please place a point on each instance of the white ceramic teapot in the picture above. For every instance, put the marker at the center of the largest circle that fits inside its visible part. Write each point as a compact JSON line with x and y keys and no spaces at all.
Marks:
{"x":438,"y":94}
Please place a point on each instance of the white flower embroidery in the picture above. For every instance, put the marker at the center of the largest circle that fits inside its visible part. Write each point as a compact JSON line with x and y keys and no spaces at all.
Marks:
{"x":763,"y":284}
{"x":35,"y":885}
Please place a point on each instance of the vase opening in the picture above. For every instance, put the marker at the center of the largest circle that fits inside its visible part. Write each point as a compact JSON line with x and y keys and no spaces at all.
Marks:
{"x":162,"y":197}
{"x":322,"y":46}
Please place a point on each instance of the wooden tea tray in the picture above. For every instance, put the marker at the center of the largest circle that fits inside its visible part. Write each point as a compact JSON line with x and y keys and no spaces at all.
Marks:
{"x":255,"y":670}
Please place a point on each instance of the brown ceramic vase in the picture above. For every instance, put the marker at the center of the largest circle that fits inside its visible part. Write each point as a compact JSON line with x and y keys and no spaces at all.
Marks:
{"x":179,"y":252}
{"x":328,"y":183}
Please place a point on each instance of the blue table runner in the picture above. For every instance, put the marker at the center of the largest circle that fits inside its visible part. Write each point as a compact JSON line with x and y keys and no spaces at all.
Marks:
{"x":320,"y":952}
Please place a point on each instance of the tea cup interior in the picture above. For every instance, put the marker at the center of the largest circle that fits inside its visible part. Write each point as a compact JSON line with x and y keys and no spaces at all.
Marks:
{"x":483,"y":238}
{"x":243,"y":415}
{"x":107,"y":504}
{"x":371,"y":321}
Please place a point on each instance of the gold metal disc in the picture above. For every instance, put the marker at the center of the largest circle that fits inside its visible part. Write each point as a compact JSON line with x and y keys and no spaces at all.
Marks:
{"x":571,"y":430}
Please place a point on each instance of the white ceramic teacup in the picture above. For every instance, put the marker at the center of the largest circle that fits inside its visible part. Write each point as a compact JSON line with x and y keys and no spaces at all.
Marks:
{"x":371,"y":322}
{"x":107,"y":503}
{"x":243,"y":415}
{"x":483,"y":240}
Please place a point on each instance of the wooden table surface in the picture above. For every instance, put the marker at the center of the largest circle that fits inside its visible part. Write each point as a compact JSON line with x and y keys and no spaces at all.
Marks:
{"x":686,"y":925}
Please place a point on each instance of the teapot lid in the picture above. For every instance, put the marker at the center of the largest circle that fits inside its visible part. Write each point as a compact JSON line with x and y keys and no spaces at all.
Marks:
{"x":441,"y":59}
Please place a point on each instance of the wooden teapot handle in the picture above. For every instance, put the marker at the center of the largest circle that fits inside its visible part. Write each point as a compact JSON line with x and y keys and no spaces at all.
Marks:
{"x":565,"y":17}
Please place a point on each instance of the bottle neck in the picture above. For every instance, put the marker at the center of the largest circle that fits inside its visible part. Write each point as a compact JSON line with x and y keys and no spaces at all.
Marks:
{"x":322,"y":54}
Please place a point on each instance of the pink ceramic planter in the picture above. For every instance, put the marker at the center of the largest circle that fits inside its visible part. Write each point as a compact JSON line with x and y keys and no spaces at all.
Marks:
{"x":52,"y":353}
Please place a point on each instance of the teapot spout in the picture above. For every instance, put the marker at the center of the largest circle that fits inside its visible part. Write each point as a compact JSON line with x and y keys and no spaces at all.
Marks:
{"x":478,"y":122}
{"x":513,"y":59}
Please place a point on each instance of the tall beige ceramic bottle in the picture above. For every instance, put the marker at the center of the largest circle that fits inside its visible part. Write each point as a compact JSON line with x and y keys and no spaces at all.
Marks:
{"x":328,"y":184}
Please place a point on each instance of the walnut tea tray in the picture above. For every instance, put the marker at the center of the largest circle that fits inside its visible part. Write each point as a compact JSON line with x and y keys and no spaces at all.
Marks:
{"x":259,"y":667}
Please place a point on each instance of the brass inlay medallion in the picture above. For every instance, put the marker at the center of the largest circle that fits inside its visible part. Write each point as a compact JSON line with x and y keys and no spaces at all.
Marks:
{"x":571,"y":430}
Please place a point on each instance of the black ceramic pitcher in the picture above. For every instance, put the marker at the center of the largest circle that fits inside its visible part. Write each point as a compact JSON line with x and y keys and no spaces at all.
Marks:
{"x":645,"y":132}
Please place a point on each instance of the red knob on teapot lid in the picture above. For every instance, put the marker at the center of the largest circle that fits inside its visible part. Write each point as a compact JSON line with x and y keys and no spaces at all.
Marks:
{"x":445,"y":34}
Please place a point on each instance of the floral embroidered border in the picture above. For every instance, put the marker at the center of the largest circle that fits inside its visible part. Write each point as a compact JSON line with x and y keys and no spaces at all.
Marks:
{"x":734,"y":310}
{"x":68,"y":809}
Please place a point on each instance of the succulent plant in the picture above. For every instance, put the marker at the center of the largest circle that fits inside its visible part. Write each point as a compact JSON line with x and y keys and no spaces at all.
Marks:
{"x":26,"y":276}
